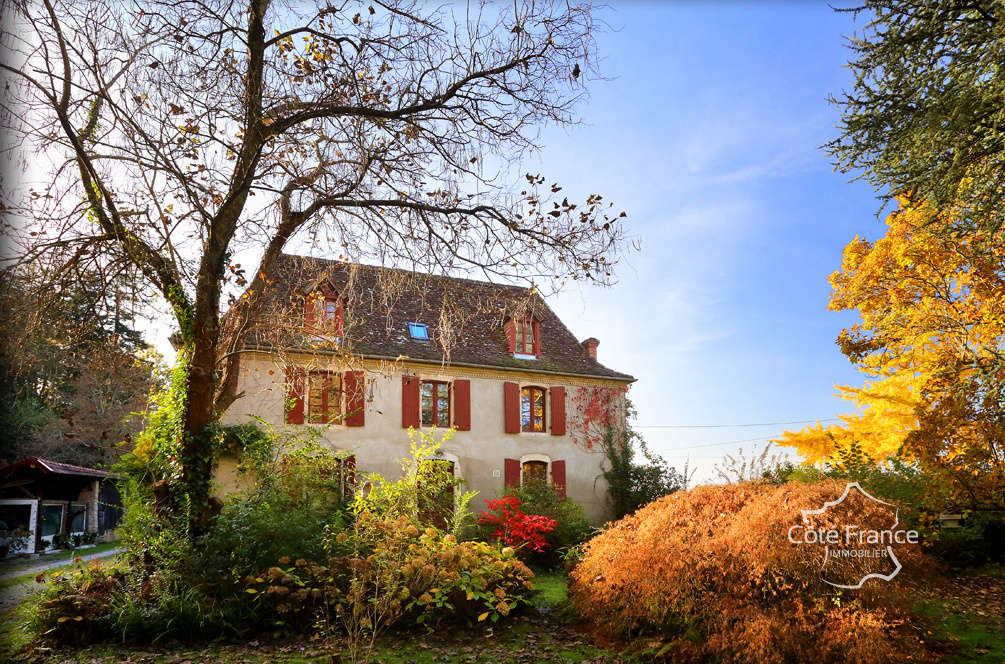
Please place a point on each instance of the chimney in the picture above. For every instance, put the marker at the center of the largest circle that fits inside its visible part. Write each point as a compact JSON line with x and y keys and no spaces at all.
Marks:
{"x":591,"y":347}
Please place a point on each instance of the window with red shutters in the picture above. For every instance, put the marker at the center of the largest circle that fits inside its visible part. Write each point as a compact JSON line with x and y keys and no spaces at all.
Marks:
{"x":525,"y":337}
{"x":534,"y":471}
{"x":323,"y":314}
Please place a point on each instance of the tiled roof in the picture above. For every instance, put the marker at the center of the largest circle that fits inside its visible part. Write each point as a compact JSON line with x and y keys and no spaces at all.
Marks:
{"x":464,"y":317}
{"x":53,"y":467}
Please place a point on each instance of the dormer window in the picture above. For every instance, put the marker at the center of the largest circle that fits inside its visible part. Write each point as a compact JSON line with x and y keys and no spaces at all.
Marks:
{"x":323,"y":315}
{"x":418,"y":331}
{"x":524,"y":338}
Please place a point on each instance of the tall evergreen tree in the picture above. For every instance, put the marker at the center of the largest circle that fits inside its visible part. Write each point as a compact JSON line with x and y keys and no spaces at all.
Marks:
{"x":925,"y":117}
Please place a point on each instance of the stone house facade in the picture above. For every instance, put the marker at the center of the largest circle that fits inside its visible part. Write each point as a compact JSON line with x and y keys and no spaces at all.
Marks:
{"x":363,"y":353}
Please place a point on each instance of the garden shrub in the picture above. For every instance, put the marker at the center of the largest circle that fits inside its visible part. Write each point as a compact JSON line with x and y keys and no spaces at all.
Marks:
{"x":297,"y":497}
{"x":75,"y":605}
{"x":712,"y":572}
{"x":421,"y":576}
{"x":392,"y":564}
{"x":504,"y":521}
{"x":979,"y":540}
{"x":525,"y":532}
{"x":636,"y":475}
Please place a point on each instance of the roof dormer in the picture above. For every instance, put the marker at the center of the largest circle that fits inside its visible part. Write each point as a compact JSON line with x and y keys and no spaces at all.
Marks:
{"x":524,"y":335}
{"x":323,"y":314}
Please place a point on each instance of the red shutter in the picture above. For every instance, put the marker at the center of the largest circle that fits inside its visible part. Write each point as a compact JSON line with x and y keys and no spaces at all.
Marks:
{"x":537,"y":338}
{"x":409,"y":402}
{"x":511,"y":399}
{"x":557,"y":410}
{"x":339,"y":323}
{"x":558,"y":477}
{"x":511,"y":334}
{"x":310,"y":310}
{"x":354,"y":385}
{"x":512,"y":472}
{"x":294,"y":395}
{"x":462,"y":405}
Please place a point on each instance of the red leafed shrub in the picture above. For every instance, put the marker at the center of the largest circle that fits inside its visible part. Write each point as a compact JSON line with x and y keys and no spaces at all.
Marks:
{"x":712,"y":573}
{"x":514,"y":528}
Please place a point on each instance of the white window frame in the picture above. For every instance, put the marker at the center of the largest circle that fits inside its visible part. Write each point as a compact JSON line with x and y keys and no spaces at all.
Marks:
{"x":535,"y":457}
{"x":32,"y":520}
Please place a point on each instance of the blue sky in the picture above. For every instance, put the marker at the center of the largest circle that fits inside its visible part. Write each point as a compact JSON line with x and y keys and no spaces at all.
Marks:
{"x":708,"y":135}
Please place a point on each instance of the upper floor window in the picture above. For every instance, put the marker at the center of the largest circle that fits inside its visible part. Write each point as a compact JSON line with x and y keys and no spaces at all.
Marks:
{"x":324,"y":397}
{"x":324,"y":314}
{"x":525,"y":338}
{"x":532,"y":409}
{"x":434,"y":397}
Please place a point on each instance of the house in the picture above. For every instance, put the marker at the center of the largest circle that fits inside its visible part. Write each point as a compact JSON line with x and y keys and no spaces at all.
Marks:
{"x":366,"y":352}
{"x":50,"y":499}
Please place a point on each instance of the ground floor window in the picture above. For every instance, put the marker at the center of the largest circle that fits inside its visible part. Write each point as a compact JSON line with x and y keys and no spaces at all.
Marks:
{"x":78,"y":518}
{"x":52,"y":520}
{"x":531,"y":471}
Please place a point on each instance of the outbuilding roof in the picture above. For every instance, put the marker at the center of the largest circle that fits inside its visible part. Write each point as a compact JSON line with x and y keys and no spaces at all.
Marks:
{"x":52,"y":468}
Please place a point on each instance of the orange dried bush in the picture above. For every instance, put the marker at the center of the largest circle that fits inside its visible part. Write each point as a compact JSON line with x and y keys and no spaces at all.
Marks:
{"x":712,"y":573}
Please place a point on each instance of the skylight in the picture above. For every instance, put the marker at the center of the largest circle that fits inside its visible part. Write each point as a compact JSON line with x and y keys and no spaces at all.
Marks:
{"x":418,"y":331}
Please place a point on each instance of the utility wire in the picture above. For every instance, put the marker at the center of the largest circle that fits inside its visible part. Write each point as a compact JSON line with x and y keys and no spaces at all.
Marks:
{"x":726,"y":426}
{"x":725,"y":442}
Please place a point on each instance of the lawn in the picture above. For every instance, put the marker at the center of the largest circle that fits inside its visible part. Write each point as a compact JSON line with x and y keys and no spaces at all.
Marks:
{"x":966,"y":616}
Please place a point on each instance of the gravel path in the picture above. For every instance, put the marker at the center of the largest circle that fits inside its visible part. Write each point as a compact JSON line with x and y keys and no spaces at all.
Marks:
{"x":44,"y":565}
{"x":13,"y":595}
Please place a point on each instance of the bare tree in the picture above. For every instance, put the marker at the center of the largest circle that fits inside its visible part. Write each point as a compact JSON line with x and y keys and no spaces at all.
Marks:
{"x":180,"y":132}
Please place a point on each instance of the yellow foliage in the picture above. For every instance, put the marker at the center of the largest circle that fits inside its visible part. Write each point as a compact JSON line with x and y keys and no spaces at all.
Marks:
{"x":930,"y":340}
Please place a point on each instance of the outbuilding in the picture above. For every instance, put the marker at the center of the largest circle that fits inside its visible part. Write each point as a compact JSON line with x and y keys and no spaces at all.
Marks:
{"x":55,"y":502}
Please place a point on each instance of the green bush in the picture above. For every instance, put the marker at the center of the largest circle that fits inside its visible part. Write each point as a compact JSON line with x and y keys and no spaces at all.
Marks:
{"x":632,"y":484}
{"x":296,"y":498}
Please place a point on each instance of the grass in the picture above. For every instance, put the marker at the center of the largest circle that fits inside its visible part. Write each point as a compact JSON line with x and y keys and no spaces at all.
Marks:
{"x":970,"y":638}
{"x":970,"y":634}
{"x":551,"y":590}
{"x":12,"y":636}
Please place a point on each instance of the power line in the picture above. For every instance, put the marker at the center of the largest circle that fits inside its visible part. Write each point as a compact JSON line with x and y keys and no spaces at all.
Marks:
{"x":727,"y":426}
{"x":725,"y":442}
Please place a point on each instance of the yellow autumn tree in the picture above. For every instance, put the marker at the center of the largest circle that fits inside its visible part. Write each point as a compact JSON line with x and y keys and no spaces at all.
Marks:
{"x":931,"y":342}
